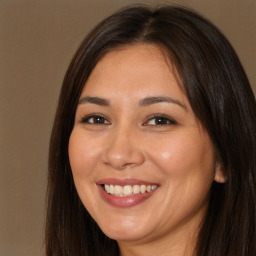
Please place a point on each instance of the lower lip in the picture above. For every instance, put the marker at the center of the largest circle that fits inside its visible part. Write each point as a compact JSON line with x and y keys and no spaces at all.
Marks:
{"x":124,"y":201}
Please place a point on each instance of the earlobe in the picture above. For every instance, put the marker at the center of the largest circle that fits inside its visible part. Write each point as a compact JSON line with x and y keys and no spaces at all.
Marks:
{"x":219,"y":175}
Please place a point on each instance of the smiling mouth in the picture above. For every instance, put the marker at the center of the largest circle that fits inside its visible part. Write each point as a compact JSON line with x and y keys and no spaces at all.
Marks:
{"x":128,"y":190}
{"x":125,"y":193}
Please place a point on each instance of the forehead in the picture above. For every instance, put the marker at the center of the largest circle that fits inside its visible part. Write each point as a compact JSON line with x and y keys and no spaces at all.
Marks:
{"x":126,"y":55}
{"x":144,"y":66}
{"x":139,"y":50}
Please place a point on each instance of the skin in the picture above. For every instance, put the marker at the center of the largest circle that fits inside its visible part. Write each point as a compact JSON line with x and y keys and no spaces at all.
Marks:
{"x":177,"y":155}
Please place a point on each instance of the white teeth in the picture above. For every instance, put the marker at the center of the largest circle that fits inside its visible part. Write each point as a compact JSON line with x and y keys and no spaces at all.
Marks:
{"x":107,"y":189}
{"x":136,"y":189}
{"x":118,"y":190}
{"x":111,"y":190}
{"x":143,"y":189}
{"x":153,"y":187}
{"x":129,"y":190}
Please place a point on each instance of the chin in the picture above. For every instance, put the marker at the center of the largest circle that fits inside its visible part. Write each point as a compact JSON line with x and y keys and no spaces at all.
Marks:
{"x":127,"y":234}
{"x":125,"y":237}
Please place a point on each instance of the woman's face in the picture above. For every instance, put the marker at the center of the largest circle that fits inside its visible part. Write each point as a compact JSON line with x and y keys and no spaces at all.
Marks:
{"x":141,"y":163}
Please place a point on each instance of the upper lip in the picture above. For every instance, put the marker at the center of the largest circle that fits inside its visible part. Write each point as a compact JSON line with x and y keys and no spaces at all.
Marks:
{"x":123,"y":182}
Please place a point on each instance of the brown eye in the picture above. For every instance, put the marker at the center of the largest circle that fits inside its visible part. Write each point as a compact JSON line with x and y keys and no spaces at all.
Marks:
{"x":95,"y":119}
{"x":160,"y":121}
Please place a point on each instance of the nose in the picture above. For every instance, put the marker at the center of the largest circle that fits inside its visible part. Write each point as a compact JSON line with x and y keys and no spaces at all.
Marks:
{"x":123,"y":150}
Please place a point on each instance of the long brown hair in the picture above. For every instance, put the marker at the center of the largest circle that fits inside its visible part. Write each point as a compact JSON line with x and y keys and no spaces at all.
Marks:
{"x":221,"y":98}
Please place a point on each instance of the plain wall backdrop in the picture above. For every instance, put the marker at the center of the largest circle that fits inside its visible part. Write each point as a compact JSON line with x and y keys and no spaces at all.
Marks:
{"x":37,"y":41}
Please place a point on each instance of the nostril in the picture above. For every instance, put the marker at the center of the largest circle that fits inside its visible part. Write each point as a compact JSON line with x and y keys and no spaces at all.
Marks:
{"x":122,"y":153}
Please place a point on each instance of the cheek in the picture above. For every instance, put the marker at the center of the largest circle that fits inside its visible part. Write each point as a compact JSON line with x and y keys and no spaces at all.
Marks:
{"x":187,"y":166}
{"x":184,"y":155}
{"x":83,"y":157}
{"x":83,"y":154}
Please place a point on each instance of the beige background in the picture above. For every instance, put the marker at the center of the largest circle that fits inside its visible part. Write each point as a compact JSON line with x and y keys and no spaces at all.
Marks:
{"x":37,"y":41}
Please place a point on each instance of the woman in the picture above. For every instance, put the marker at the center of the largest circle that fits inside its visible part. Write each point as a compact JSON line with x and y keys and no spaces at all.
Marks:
{"x":153,"y":146}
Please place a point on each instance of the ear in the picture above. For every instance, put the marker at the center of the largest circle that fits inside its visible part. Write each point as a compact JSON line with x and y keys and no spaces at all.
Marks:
{"x":219,"y":175}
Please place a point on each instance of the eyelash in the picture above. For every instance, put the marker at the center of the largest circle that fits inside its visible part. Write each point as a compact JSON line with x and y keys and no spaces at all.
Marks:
{"x":85,"y":119}
{"x":166,"y":120}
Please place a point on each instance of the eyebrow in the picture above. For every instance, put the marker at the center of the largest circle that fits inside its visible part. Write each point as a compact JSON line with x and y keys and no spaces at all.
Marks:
{"x":158,"y":99}
{"x":94,"y":100}
{"x":143,"y":103}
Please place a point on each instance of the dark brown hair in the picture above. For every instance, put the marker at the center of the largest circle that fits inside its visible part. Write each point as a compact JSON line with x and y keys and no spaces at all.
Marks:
{"x":221,"y":98}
